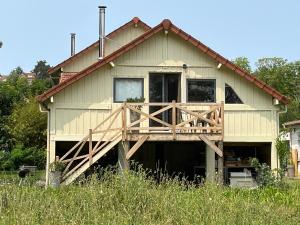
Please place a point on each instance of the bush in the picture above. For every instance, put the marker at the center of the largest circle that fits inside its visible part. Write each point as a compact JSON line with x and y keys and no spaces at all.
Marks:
{"x":23,"y":156}
{"x":283,"y":151}
{"x":28,"y":125}
{"x":265,"y":176}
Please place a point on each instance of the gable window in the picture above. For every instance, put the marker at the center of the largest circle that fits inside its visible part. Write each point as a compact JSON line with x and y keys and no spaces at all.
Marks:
{"x":201,"y":90}
{"x":231,"y":96}
{"x":128,"y":88}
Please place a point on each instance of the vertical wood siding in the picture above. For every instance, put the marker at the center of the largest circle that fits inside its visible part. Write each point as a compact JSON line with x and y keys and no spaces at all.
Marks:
{"x":87,"y":102}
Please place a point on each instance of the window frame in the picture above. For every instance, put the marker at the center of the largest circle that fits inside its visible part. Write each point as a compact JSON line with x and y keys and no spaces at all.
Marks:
{"x":234,"y":92}
{"x":115,"y":79}
{"x":193,"y":79}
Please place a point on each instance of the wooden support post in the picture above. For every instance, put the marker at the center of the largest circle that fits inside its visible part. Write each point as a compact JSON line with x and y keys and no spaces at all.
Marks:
{"x":123,"y":149}
{"x":56,"y":158}
{"x":222,"y":119}
{"x":174,"y":119}
{"x":124,"y":122}
{"x":90,"y":146}
{"x":220,"y":164}
{"x":210,"y":164}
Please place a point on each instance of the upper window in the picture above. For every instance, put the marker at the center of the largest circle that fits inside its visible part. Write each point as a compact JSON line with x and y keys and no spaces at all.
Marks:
{"x":125,"y":88}
{"x":230,"y":96}
{"x":200,"y":90}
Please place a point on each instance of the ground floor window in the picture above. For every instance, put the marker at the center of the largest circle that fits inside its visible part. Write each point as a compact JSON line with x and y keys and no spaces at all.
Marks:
{"x":201,"y":90}
{"x":125,"y":88}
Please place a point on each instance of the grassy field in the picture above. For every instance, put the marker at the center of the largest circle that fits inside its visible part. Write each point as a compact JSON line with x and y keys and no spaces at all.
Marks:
{"x":136,"y":199}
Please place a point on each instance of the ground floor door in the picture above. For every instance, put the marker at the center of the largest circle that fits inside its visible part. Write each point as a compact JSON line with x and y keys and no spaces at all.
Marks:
{"x":163,"y":87}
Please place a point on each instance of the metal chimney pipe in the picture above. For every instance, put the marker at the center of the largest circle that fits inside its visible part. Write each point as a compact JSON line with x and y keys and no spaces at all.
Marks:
{"x":73,"y":44}
{"x":101,"y":31}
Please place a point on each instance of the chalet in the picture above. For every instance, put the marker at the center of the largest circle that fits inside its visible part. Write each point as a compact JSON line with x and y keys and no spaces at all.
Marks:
{"x":195,"y":111}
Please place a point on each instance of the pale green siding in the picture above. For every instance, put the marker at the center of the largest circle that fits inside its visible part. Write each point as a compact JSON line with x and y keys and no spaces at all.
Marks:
{"x":84,"y":104}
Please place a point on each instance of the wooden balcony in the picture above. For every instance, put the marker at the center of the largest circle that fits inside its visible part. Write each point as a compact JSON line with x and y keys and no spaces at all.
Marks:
{"x":172,"y":121}
{"x":140,"y":122}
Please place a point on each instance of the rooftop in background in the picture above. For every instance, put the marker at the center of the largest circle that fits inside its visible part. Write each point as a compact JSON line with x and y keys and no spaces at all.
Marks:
{"x":29,"y":76}
{"x":291,"y":123}
{"x":3,"y":78}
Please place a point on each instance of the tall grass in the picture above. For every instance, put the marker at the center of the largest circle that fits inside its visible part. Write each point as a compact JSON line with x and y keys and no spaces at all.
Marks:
{"x":134,"y":198}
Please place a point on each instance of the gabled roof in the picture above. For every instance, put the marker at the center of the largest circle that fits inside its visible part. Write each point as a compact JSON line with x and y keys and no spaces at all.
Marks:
{"x":165,"y":25}
{"x":134,"y":21}
{"x":66,"y":75}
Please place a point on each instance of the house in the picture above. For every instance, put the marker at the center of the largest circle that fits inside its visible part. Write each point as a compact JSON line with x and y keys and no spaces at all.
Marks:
{"x":3,"y":78}
{"x":293,"y":128}
{"x":201,"y":113}
{"x":29,"y":77}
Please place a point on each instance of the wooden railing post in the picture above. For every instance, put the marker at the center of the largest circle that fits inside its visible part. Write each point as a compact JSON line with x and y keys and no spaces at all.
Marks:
{"x":124,"y":122}
{"x":174,"y":119}
{"x":90,"y":146}
{"x":222,"y":118}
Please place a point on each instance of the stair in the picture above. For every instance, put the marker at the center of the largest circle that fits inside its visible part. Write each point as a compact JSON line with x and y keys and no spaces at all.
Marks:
{"x":86,"y":163}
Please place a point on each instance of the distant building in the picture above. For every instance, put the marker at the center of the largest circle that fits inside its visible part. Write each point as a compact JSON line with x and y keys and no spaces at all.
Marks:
{"x":29,"y":76}
{"x":3,"y":78}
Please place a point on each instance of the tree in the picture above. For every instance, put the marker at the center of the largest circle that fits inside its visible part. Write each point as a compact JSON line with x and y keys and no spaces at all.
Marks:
{"x":14,"y":75}
{"x":41,"y":69}
{"x":6,"y":141}
{"x":243,"y":62}
{"x":27,"y":124}
{"x":284,"y":77}
{"x":280,"y":74}
{"x":8,"y":95}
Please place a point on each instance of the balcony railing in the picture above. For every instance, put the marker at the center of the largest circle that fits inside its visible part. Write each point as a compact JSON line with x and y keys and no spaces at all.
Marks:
{"x":172,"y":117}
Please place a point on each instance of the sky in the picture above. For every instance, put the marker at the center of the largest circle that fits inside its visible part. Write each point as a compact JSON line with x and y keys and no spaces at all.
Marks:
{"x":33,"y":30}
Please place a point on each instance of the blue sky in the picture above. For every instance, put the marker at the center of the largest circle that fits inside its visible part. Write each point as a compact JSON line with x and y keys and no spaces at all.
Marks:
{"x":33,"y":30}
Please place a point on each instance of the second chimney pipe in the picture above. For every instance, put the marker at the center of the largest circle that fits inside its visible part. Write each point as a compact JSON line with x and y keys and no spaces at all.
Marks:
{"x":101,"y":31}
{"x":73,"y":44}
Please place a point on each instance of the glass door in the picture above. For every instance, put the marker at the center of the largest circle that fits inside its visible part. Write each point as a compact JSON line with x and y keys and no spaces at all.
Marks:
{"x":163,"y":88}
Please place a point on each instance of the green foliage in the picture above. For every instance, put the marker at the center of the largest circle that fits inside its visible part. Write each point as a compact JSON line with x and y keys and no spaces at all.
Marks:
{"x":8,"y":95}
{"x":6,"y":141}
{"x":244,"y":63}
{"x":39,"y":86}
{"x":23,"y":156}
{"x":57,"y":166}
{"x":283,"y":152}
{"x":28,"y":125}
{"x":41,"y":69}
{"x":281,"y":75}
{"x":135,"y":100}
{"x":284,"y":76}
{"x":293,"y":112}
{"x":265,"y":176}
{"x":133,"y":198}
{"x":21,"y":122}
{"x":14,"y":75}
